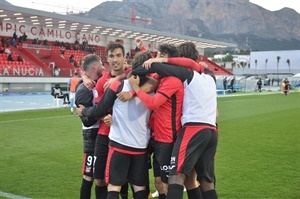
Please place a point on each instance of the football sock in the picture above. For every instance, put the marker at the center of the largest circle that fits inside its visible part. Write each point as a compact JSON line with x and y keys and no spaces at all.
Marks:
{"x":85,"y":190}
{"x":194,"y":193}
{"x":141,"y":194}
{"x":124,"y":191}
{"x":112,"y":195}
{"x":211,"y":194}
{"x":175,"y":191}
{"x":101,"y":192}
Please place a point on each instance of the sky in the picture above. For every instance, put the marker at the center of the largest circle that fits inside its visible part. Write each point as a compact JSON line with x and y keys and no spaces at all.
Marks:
{"x":63,"y":6}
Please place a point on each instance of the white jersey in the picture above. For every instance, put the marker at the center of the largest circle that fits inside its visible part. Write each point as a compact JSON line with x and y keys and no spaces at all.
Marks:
{"x":130,"y":122}
{"x":200,"y":100}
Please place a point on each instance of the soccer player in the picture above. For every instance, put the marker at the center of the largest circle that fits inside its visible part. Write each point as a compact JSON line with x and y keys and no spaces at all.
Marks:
{"x":166,"y":106}
{"x":196,"y":143}
{"x":285,"y":86}
{"x":93,"y":67}
{"x":73,"y":82}
{"x":128,"y":138}
{"x":115,"y":53}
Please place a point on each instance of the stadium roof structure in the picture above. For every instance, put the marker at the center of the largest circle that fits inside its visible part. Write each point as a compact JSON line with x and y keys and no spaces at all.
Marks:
{"x":21,"y":15}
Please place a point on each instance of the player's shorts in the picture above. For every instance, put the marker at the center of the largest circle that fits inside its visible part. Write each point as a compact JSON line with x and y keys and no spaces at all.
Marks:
{"x":163,"y":152}
{"x":89,"y":139}
{"x":101,"y":151}
{"x":87,"y":167}
{"x":122,"y":167}
{"x":195,"y":147}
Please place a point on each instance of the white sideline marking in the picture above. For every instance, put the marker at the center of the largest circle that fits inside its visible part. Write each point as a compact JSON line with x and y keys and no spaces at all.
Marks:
{"x":12,"y":196}
{"x":41,"y":118}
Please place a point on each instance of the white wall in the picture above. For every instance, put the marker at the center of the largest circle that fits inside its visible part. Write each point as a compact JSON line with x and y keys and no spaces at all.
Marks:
{"x":261,"y":56}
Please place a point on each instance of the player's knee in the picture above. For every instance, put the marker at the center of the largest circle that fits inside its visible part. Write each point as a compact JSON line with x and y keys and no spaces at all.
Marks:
{"x":88,"y":178}
{"x":138,"y":188}
{"x":177,"y":179}
{"x":100,"y":183}
{"x":206,"y":185}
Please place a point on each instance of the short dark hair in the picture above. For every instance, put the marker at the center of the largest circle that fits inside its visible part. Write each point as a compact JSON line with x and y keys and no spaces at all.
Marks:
{"x":140,"y":58}
{"x":168,"y":49}
{"x":188,"y":50}
{"x":88,"y":59}
{"x":111,"y":46}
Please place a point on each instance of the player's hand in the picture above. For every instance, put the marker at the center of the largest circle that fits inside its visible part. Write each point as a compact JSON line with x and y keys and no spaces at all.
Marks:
{"x":79,"y":110}
{"x":89,"y":83}
{"x":109,"y":82}
{"x":107,"y":120}
{"x":134,"y":81}
{"x":147,"y":64}
{"x":124,"y":96}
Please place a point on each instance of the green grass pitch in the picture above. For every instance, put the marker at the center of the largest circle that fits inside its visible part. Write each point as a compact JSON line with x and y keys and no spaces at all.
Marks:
{"x":258,"y":153}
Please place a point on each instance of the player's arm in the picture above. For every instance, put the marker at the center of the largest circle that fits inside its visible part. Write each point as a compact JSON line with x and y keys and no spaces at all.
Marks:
{"x":148,"y":87}
{"x":85,"y":97}
{"x":178,"y":61}
{"x":167,"y":89}
{"x":185,"y":62}
{"x":163,"y":70}
{"x":114,"y":79}
{"x":106,"y":103}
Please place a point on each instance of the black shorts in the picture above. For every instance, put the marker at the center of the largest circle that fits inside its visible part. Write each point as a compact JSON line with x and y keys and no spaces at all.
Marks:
{"x":101,"y":151}
{"x":163,"y":152}
{"x":122,"y":167}
{"x":195,"y":147}
{"x":89,"y":140}
{"x":88,"y":167}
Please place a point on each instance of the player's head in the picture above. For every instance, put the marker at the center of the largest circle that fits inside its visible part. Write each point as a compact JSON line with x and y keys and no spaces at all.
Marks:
{"x":57,"y":86}
{"x":115,"y":55}
{"x":188,"y":50}
{"x":167,"y":50}
{"x":140,"y":58}
{"x":92,"y":65}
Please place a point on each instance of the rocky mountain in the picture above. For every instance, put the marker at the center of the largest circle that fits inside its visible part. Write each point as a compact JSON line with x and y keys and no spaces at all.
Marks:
{"x":238,"y":21}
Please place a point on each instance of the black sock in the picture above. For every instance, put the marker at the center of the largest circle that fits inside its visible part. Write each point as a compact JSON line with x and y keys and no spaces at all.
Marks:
{"x":101,"y":192}
{"x":162,"y":196}
{"x":85,"y":190}
{"x":211,"y":194}
{"x":141,"y":194}
{"x":112,"y":195}
{"x":124,"y":191}
{"x":194,"y":193}
{"x":175,"y":191}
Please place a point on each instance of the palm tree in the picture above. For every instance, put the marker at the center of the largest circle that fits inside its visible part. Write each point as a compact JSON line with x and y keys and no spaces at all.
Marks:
{"x":289,"y":64}
{"x":255,"y":65}
{"x":266,"y":62}
{"x":278,"y":59}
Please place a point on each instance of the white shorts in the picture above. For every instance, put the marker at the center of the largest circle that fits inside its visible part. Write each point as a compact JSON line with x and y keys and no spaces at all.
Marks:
{"x":72,"y":96}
